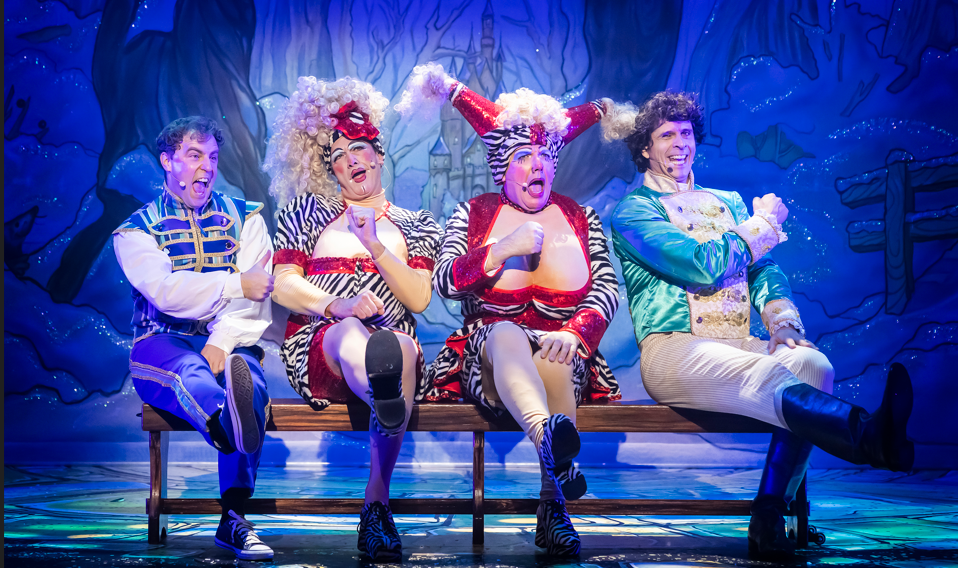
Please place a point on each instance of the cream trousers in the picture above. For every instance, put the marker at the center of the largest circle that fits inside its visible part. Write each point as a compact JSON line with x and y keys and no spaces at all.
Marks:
{"x":736,"y":376}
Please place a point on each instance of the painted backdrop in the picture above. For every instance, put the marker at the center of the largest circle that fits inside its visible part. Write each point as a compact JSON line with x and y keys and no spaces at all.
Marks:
{"x":846,"y":110}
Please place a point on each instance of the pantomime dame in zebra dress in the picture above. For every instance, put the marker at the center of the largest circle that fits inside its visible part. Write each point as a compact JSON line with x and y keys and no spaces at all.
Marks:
{"x":531,"y":270}
{"x":695,"y":263}
{"x":352,"y":268}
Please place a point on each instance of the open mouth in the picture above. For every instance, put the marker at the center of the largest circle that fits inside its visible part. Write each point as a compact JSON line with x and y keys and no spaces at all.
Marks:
{"x":359,"y":175}
{"x":537,"y":187}
{"x":679,"y":160}
{"x":200,"y":185}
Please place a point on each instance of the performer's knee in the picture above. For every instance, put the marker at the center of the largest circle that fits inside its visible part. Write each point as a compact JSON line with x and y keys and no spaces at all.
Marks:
{"x":351,"y":325}
{"x":507,"y":335}
{"x":410,"y":351}
{"x":814,"y":368}
{"x":344,"y":336}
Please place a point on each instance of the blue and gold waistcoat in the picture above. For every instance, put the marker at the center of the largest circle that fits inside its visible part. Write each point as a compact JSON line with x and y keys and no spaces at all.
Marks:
{"x":203,"y":240}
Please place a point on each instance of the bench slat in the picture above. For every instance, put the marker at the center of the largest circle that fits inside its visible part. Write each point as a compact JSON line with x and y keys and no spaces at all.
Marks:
{"x":689,"y":507}
{"x":291,"y":415}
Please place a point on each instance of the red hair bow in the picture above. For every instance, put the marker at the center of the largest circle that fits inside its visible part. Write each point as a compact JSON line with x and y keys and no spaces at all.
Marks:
{"x":354,"y":123}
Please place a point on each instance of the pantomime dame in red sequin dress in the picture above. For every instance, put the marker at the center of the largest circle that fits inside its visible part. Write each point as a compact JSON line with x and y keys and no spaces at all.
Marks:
{"x":531,"y":270}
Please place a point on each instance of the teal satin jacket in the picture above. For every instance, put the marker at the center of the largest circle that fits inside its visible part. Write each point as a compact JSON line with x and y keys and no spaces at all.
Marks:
{"x":695,"y":262}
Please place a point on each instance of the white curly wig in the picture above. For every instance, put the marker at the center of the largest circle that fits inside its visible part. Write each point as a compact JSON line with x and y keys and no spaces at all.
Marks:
{"x":619,"y":120}
{"x":426,"y":90}
{"x":526,"y":107}
{"x":429,"y":86}
{"x":294,"y":154}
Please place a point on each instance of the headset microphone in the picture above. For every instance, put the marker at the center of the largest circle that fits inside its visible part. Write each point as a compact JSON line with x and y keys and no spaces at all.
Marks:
{"x":182,"y":183}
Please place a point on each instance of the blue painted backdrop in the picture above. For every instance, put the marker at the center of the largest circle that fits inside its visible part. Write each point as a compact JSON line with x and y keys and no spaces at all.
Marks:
{"x":846,"y":110}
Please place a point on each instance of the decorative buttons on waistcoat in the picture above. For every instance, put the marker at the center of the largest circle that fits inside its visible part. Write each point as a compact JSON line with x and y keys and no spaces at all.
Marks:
{"x":744,"y":298}
{"x":229,"y":246}
{"x":690,"y":226}
{"x":699,"y":320}
{"x":224,"y":221}
{"x":680,"y":209}
{"x":721,"y":209}
{"x":159,"y":227}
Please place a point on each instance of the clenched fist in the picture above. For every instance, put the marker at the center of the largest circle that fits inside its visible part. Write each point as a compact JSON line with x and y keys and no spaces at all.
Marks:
{"x":773,"y":205}
{"x":525,"y":240}
{"x":257,"y":283}
{"x":361,"y":222}
{"x":362,"y":306}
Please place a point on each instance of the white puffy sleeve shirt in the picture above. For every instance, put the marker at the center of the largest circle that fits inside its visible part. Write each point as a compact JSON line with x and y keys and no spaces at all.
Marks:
{"x":236,"y":321}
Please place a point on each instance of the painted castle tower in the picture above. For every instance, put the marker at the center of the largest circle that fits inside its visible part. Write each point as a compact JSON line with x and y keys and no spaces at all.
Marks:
{"x":457,"y":161}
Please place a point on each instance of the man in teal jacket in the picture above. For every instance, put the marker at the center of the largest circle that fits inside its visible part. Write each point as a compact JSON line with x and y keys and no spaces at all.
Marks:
{"x":695,"y":262}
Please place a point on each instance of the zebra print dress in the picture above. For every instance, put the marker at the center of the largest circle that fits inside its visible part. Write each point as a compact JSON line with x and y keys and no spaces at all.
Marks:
{"x":301,"y":223}
{"x":456,"y":372}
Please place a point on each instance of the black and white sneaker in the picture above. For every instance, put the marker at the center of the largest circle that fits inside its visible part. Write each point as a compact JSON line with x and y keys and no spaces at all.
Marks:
{"x":236,"y":533}
{"x":378,"y":537}
{"x":239,"y":403}
{"x":560,"y":445}
{"x":384,"y":369}
{"x":554,"y":530}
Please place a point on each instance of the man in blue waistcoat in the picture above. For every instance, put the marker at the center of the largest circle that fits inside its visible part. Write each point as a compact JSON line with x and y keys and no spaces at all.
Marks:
{"x":198,"y":262}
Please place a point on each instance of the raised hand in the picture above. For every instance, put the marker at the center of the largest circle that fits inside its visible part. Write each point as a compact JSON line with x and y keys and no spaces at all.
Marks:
{"x":257,"y":283}
{"x":527,"y":239}
{"x":362,"y":306}
{"x":773,"y":205}
{"x":361,"y":222}
{"x":559,"y":346}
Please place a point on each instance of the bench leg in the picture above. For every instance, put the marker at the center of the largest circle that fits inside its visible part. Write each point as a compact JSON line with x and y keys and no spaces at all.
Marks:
{"x":159,"y":451}
{"x":801,"y":515}
{"x":478,"y":487}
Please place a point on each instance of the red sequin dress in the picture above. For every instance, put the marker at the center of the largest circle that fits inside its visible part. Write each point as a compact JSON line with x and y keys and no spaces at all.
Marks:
{"x":584,"y":310}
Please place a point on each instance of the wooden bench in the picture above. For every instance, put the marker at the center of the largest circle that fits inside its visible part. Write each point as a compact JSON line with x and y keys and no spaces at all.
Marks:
{"x":294,"y":415}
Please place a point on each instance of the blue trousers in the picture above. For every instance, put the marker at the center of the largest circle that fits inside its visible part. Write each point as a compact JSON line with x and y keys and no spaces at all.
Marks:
{"x":170,"y":374}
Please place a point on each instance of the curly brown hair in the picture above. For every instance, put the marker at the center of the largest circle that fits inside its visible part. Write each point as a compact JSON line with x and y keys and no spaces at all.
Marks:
{"x":198,"y":127}
{"x":665,"y":106}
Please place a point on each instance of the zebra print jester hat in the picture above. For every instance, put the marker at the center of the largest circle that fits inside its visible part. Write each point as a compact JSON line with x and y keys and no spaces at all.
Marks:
{"x":514,"y":120}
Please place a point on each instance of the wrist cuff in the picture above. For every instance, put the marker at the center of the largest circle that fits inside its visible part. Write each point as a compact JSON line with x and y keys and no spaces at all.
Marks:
{"x":761,"y":233}
{"x":782,"y":313}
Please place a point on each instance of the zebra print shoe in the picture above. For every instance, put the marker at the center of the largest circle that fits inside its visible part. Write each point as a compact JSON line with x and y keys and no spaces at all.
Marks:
{"x":554,"y":530}
{"x":560,"y":445}
{"x":375,"y":541}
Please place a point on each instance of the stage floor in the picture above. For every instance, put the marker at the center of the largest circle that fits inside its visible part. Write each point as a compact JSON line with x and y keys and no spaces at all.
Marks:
{"x":89,"y":515}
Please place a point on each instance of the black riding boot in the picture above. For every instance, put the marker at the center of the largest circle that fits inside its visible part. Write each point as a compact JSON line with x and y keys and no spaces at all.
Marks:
{"x":849,"y":432}
{"x":785,"y":467}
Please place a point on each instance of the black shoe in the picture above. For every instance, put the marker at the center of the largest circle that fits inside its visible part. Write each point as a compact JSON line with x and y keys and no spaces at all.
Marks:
{"x":378,"y":537}
{"x":767,"y":535}
{"x":784,"y":470}
{"x":554,"y":530}
{"x":560,"y":445}
{"x":848,"y":431}
{"x":239,"y":404}
{"x":384,"y":369}
{"x":236,"y":533}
